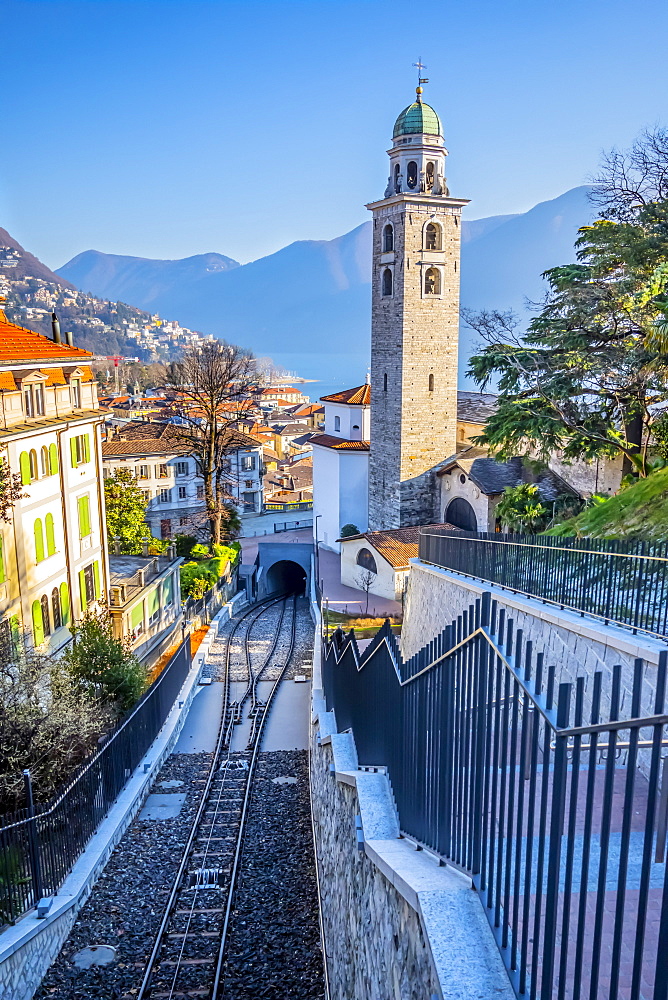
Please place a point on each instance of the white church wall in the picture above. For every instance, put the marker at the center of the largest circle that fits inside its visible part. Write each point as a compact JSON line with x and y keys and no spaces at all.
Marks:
{"x":354,"y":489}
{"x":326,"y":490}
{"x":385,"y":583}
{"x":353,"y":421}
{"x":483,"y":505}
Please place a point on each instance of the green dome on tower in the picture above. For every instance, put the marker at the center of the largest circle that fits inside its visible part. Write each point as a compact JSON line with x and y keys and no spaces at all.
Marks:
{"x":417,"y":119}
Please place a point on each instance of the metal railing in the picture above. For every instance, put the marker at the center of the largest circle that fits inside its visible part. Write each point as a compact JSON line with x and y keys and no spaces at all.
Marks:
{"x":549,"y":795}
{"x":621,"y":582}
{"x":39,"y":846}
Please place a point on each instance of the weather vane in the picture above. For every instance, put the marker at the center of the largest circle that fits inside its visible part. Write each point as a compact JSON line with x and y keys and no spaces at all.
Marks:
{"x":419,"y":65}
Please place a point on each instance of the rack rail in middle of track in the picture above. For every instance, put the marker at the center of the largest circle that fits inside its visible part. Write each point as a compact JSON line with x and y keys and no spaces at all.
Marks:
{"x":189,"y":948}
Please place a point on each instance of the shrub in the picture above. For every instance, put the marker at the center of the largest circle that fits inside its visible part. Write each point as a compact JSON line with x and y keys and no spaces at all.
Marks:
{"x":102,"y":665}
{"x":184,"y":545}
{"x":199,"y":551}
{"x":349,"y":529}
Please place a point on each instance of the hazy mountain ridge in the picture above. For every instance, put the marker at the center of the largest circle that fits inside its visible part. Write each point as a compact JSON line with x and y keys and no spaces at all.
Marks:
{"x":314,"y":296}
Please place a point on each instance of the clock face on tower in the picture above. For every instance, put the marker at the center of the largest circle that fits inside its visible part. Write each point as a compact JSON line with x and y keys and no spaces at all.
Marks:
{"x":415,"y":323}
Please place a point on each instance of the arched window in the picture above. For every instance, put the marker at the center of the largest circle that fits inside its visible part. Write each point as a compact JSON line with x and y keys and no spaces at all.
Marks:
{"x":388,"y":238}
{"x":50,"y":535}
{"x":397,"y":178}
{"x":412,"y":174}
{"x":432,"y":281}
{"x":430,"y":175}
{"x":432,"y":237}
{"x":39,"y":540}
{"x":46,"y":619}
{"x":431,"y":383}
{"x":55,"y":605}
{"x":64,"y":603}
{"x":37,"y":623}
{"x":337,"y":423}
{"x":385,"y":382}
{"x":387,"y":282}
{"x":366,"y":561}
{"x":53,"y":459}
{"x":34,"y":474}
{"x":44,"y":460}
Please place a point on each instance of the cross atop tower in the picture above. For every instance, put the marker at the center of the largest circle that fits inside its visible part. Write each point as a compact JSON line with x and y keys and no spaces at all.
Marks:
{"x":419,"y":65}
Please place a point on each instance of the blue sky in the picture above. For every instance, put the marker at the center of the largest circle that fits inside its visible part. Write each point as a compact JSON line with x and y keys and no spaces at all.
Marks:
{"x":164,"y":128}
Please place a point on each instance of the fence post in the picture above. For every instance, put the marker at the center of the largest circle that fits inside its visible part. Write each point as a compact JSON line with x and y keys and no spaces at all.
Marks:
{"x":556,"y":830}
{"x":33,"y":842}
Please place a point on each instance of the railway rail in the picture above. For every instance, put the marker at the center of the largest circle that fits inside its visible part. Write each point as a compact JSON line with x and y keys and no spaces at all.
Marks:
{"x":188,"y":954}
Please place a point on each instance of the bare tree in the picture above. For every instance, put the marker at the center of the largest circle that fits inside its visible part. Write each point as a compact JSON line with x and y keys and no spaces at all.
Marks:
{"x":212,"y":380}
{"x":364,"y":581}
{"x":630,"y":179}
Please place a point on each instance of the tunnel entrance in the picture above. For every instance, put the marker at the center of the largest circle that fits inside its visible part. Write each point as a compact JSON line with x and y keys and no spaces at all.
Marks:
{"x":286,"y":576}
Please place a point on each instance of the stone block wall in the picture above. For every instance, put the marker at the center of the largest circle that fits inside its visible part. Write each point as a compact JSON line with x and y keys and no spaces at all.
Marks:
{"x":375,"y":944}
{"x":576,"y":646}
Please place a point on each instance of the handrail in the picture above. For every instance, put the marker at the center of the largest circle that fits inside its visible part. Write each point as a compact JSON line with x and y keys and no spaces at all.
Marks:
{"x":545,"y":548}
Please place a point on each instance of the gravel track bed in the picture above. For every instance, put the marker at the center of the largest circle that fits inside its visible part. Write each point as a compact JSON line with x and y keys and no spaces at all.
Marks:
{"x":263,"y":634}
{"x":125,"y":906}
{"x":273,"y":950}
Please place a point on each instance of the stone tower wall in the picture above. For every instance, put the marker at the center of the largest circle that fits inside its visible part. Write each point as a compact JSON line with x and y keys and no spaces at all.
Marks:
{"x":413,"y":336}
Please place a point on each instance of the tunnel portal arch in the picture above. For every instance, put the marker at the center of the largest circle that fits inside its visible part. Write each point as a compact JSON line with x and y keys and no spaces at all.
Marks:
{"x":283,"y":567}
{"x":286,"y":577}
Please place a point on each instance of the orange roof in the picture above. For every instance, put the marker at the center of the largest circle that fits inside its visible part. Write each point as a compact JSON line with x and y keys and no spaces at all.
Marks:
{"x":282,"y":389}
{"x":55,"y":376}
{"x":339,"y":444}
{"x":7,"y":383}
{"x":19,"y":344}
{"x":359,"y":396}
{"x":397,"y":545}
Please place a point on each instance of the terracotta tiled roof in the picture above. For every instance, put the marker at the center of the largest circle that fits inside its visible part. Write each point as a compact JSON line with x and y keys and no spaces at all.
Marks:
{"x":19,"y":344}
{"x":359,"y":396}
{"x":7,"y":383}
{"x":140,"y":447}
{"x":55,"y":376}
{"x":398,"y":545}
{"x":339,"y":444}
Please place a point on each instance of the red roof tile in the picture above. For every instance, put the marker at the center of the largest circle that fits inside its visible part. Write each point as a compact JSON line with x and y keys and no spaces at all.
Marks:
{"x":359,"y":396}
{"x":19,"y":344}
{"x":339,"y":444}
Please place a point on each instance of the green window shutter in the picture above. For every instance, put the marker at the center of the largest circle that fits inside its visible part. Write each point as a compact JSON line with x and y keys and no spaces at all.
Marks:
{"x":24,"y":464}
{"x":73,"y":452}
{"x":153,"y":602}
{"x":137,"y":615}
{"x":53,"y":459}
{"x":3,"y":573}
{"x":168,"y":591}
{"x":37,"y":623}
{"x":83,"y":503}
{"x":82,"y":590}
{"x":50,"y":535}
{"x":65,"y":603}
{"x":96,"y":574}
{"x":15,"y":630}
{"x":39,"y":540}
{"x":86,"y":443}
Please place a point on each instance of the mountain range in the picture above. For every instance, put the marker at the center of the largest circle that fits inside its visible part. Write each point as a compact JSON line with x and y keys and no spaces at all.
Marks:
{"x":313,"y":296}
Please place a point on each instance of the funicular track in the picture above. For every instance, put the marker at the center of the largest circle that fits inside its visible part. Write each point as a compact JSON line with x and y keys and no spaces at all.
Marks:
{"x":189,"y":948}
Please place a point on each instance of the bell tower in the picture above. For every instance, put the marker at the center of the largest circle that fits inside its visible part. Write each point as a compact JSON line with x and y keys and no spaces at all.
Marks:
{"x":415,"y":324}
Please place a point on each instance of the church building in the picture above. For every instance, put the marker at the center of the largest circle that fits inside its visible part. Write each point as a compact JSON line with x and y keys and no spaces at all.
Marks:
{"x":415,"y":322}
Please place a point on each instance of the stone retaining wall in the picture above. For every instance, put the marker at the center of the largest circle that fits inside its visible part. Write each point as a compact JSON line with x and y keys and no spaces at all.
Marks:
{"x":575,"y":645}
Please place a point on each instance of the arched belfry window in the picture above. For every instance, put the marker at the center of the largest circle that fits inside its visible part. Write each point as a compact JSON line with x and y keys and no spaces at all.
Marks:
{"x":431,"y":383}
{"x":386,"y":285}
{"x":366,"y":561}
{"x":412,"y":174}
{"x":432,"y":237}
{"x":430,"y":175}
{"x":388,"y":238}
{"x":397,"y":178}
{"x":432,"y":281}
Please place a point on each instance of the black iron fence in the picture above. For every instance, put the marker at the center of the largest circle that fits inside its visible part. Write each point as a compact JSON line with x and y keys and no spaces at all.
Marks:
{"x":621,"y":582}
{"x":555,"y":807}
{"x":38,"y":847}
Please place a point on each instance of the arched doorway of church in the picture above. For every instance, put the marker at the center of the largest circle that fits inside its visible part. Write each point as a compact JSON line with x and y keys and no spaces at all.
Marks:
{"x":460,"y":514}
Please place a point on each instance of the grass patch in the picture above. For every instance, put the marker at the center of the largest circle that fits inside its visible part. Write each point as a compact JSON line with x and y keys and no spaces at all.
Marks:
{"x":365,"y":626}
